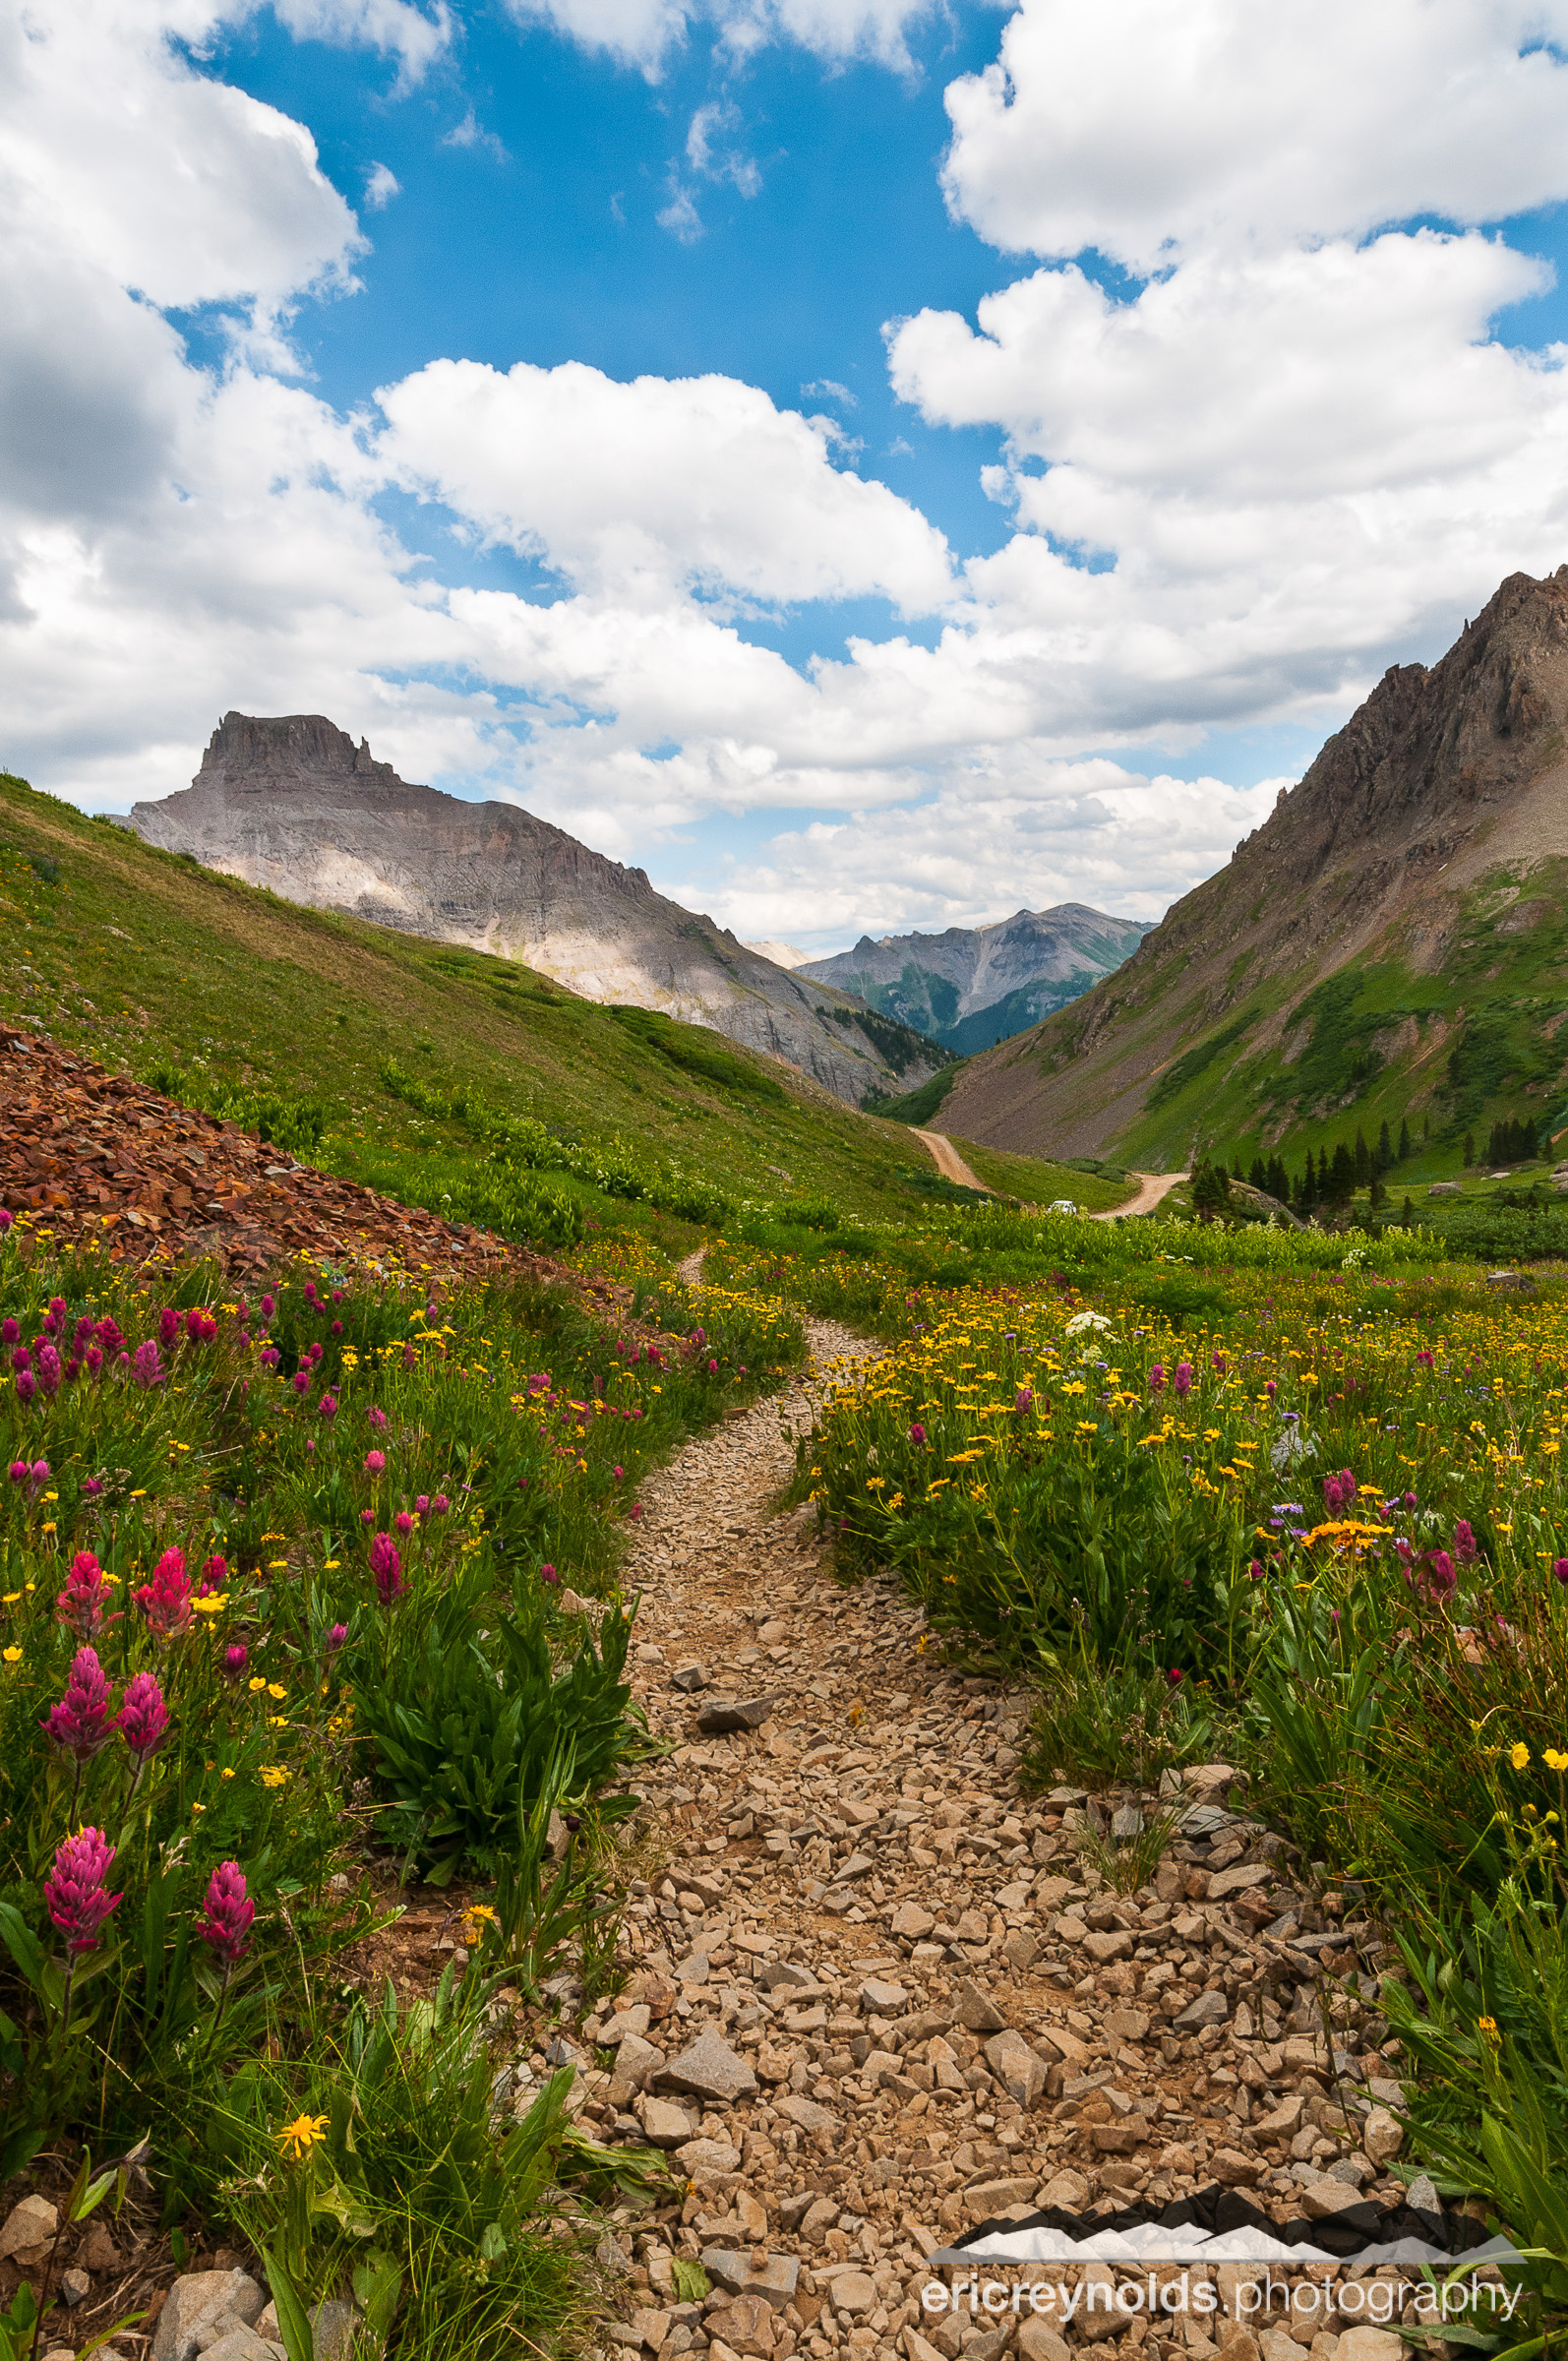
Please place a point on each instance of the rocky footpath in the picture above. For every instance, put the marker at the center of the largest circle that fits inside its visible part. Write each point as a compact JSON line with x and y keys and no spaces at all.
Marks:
{"x":877,"y":1996}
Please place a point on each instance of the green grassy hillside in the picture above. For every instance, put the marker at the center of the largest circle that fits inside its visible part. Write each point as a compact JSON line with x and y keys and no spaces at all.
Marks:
{"x":1378,"y":1042}
{"x":399,"y":1061}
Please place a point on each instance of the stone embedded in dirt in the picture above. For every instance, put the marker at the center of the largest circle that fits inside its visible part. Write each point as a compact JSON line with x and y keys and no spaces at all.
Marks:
{"x":28,"y":2232}
{"x":1126,"y":2025}
{"x":727,"y":1714}
{"x":1039,"y":2342}
{"x":688,"y":1677}
{"x":664,"y":2125}
{"x":76,"y":2287}
{"x":1210,"y":2008}
{"x":911,"y":1921}
{"x":807,"y":2114}
{"x":978,"y":2013}
{"x":986,"y":2197}
{"x":1369,"y":2344}
{"x":1326,"y":2198}
{"x":775,"y":2278}
{"x":1223,"y":1882}
{"x":197,"y":2299}
{"x":859,"y":1865}
{"x":635,"y":2063}
{"x":634,"y":2019}
{"x":1381,"y":2137}
{"x":1016,"y":2067}
{"x":709,"y":2070}
{"x":98,"y":2250}
{"x":1108,"y":1946}
{"x":853,"y":2291}
{"x":1020,"y":1951}
{"x":709,"y":2155}
{"x":1067,"y":2190}
{"x":883,"y":2000}
{"x":240,"y":2343}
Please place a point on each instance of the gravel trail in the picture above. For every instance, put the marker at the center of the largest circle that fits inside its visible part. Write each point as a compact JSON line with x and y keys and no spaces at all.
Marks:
{"x":876,"y":1998}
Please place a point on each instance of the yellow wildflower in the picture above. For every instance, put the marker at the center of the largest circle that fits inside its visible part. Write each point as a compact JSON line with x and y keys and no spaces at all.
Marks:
{"x":300,"y":2136}
{"x":1519,"y":1756}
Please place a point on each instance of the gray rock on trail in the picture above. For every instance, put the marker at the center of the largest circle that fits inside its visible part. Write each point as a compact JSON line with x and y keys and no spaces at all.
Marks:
{"x":197,"y":2300}
{"x":978,"y":2013}
{"x":688,"y":1678}
{"x":775,"y":2276}
{"x":727,"y":1714}
{"x":709,"y":2070}
{"x":1210,"y":2008}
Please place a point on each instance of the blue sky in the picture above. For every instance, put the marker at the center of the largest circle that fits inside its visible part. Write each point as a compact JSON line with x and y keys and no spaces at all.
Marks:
{"x":1216,"y":390}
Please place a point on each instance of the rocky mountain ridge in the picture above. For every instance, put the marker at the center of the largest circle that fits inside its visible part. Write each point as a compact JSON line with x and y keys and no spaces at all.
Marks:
{"x":290,"y":803}
{"x":971,"y":986}
{"x":1387,"y":938}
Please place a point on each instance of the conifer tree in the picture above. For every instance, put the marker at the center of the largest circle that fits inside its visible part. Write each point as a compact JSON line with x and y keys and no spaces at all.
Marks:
{"x":1364,"y":1159}
{"x":1404,"y":1139}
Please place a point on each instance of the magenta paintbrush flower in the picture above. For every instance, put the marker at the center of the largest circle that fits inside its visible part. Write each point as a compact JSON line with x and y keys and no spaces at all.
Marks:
{"x":231,"y":1914}
{"x":165,"y":1600}
{"x":80,"y":1604}
{"x":74,"y":1890}
{"x":144,"y":1717}
{"x":79,"y":1724}
{"x":386,"y":1564}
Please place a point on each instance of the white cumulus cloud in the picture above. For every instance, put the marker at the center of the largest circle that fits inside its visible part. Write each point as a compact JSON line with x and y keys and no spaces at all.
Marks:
{"x":1151,"y":132}
{"x":659,"y":486}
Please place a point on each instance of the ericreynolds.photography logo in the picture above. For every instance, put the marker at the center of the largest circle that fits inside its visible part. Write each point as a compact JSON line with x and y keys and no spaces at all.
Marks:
{"x":1432,"y":2266}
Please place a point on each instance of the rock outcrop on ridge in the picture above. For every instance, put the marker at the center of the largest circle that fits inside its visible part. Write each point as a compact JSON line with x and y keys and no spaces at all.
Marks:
{"x":1421,"y":843}
{"x":292,"y":804}
{"x":971,"y":986}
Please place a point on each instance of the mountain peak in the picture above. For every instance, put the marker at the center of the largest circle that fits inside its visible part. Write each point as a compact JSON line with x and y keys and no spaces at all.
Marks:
{"x":289,"y":802}
{"x":1446,"y":779}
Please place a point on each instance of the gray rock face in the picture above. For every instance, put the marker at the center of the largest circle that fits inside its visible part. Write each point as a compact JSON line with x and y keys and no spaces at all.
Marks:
{"x":198,"y":2299}
{"x":973,"y":985}
{"x":293,"y":804}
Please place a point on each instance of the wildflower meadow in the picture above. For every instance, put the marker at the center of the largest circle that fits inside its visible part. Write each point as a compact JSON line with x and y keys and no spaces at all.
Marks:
{"x":304,"y":1589}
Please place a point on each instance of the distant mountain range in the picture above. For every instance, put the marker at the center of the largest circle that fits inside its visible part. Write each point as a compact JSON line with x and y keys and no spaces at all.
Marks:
{"x":292,"y":804}
{"x":971,"y":986}
{"x":1390,"y":946}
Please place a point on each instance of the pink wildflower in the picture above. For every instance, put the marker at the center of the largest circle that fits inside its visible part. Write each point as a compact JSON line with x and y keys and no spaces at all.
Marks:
{"x":79,"y":1724}
{"x":1466,"y":1549}
{"x":146,"y":1369}
{"x":168,"y":1327}
{"x":165,"y":1600}
{"x":144,"y":1717}
{"x":548,"y":1574}
{"x":1182,"y":1380}
{"x":80,"y":1604}
{"x":377,"y":1417}
{"x":230,"y":1914}
{"x":236,"y":1657}
{"x":74,"y":1890}
{"x":403,"y":1521}
{"x":375,"y":1463}
{"x":386,"y":1563}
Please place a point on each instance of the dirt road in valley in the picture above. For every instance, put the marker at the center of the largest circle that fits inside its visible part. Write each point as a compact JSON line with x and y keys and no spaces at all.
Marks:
{"x":951,"y":1164}
{"x":1151,"y":1187}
